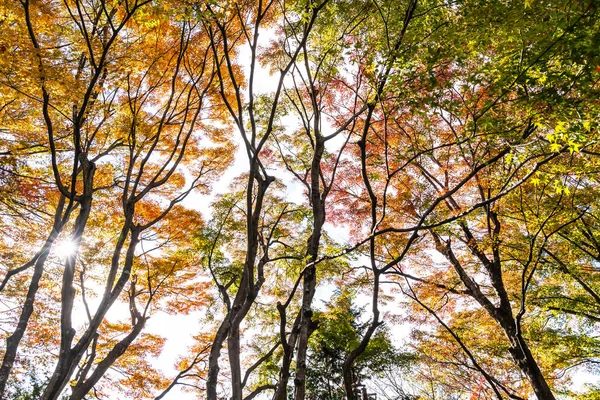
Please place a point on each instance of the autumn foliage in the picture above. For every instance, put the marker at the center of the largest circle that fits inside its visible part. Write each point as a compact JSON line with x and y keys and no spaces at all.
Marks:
{"x":299,"y":199}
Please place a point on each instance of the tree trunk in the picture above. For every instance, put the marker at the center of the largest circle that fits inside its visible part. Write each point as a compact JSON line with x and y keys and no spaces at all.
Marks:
{"x":310,"y":272}
{"x":521,"y":353}
{"x":305,"y":332}
{"x":233,"y":349}
{"x":67,"y":360}
{"x":13,"y":341}
{"x":288,"y":352}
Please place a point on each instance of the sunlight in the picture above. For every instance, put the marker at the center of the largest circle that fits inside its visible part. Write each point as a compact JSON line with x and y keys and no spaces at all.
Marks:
{"x":66,"y":248}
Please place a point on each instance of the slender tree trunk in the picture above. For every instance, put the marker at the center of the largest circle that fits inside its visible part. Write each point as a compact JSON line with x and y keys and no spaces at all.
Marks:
{"x":233,"y":345}
{"x":13,"y":341}
{"x":310,"y":273}
{"x":229,"y":330}
{"x":305,"y":332}
{"x":213,"y":359}
{"x":524,"y":359}
{"x":247,"y":301}
{"x":67,"y":360}
{"x":358,"y":350}
{"x":288,"y":356}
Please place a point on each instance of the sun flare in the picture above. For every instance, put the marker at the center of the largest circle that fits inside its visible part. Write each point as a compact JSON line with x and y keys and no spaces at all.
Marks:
{"x":66,"y":248}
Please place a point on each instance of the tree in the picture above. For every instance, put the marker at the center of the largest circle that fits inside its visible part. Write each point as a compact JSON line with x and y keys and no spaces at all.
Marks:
{"x":340,"y":331}
{"x":454,"y":143}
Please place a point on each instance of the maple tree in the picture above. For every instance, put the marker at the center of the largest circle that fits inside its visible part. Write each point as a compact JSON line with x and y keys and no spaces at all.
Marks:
{"x":433,"y":161}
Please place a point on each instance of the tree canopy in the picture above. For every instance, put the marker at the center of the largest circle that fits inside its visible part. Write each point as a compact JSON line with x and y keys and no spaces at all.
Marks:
{"x":336,"y":199}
